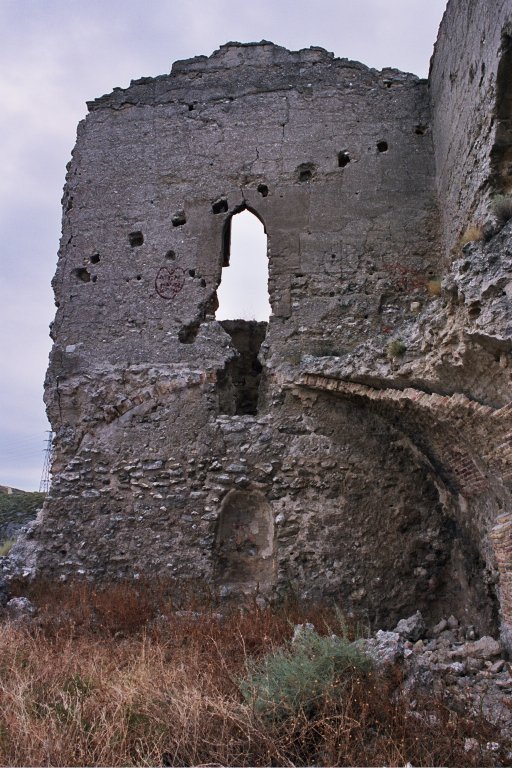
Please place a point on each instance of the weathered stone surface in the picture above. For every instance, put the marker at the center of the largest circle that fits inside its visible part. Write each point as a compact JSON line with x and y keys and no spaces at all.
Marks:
{"x":470,"y":86}
{"x":458,"y":672}
{"x":412,"y":628}
{"x":386,"y":648}
{"x":485,"y":648}
{"x":439,"y":627}
{"x":358,"y":445}
{"x":19,"y":609}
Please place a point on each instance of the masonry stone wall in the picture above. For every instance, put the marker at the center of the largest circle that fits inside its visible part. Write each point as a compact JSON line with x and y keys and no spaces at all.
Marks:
{"x":471,"y":97}
{"x":357,"y":446}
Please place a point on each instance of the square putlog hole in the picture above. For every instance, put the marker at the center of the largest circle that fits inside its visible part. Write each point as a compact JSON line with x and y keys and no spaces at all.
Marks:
{"x":179,"y":219}
{"x":135,"y":238}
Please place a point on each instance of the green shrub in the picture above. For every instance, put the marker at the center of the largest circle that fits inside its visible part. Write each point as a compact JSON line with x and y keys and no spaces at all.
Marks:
{"x":301,"y":679}
{"x":20,"y":506}
{"x":502,"y":208}
{"x":6,"y":546}
{"x":395,"y":348}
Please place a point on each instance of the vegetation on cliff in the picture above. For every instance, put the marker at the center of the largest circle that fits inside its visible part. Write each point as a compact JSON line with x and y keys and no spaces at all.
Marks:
{"x":17,"y":508}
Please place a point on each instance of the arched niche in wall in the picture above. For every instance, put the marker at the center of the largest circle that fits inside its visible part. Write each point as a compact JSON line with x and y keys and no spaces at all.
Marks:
{"x":244,"y":543}
{"x":243,"y":308}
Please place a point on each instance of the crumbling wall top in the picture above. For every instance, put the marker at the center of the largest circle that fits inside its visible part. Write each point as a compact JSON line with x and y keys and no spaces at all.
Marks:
{"x":238,"y":69}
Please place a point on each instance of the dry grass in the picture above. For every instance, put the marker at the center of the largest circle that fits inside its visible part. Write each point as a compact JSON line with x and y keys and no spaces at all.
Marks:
{"x":6,"y":546}
{"x":434,"y":287}
{"x":99,"y":682}
{"x":472,"y":234}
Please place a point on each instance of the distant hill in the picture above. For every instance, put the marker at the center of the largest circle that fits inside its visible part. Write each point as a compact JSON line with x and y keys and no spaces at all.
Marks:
{"x":17,"y":508}
{"x":8,"y":491}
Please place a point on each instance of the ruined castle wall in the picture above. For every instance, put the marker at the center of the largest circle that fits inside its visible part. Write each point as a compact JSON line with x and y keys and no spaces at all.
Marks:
{"x":182,"y":451}
{"x":353,"y":515}
{"x":471,"y":96}
{"x":155,"y":471}
{"x":327,"y":152}
{"x":470,"y":93}
{"x":154,"y":158}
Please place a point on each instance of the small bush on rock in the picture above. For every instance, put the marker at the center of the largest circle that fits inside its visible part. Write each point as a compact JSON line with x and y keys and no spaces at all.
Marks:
{"x":434,"y":287}
{"x":502,"y":208}
{"x":395,"y":348}
{"x":6,"y":546}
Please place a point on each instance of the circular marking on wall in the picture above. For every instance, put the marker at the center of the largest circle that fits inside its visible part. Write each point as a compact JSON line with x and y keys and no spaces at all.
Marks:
{"x":169,"y":282}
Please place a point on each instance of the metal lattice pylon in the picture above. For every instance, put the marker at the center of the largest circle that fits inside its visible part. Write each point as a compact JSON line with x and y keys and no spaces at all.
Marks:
{"x":44,"y":485}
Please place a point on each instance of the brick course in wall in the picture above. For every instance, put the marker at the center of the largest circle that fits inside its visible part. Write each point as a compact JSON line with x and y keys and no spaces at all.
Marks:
{"x":471,"y":441}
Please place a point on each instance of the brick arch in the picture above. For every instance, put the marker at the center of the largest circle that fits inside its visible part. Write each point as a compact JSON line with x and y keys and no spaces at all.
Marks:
{"x":468,"y":446}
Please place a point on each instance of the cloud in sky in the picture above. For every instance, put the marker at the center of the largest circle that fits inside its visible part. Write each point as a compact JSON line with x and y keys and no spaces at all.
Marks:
{"x":55,"y":55}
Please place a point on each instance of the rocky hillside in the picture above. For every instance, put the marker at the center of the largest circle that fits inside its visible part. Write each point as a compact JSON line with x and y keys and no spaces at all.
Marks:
{"x":17,"y":508}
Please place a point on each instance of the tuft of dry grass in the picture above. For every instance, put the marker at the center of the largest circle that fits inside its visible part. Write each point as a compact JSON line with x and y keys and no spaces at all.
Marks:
{"x":473,"y":233}
{"x":434,"y":287}
{"x":6,"y":546}
{"x":88,"y":684}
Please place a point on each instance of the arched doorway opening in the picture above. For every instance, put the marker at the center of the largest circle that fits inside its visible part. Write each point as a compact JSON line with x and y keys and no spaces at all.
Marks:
{"x":243,"y":309}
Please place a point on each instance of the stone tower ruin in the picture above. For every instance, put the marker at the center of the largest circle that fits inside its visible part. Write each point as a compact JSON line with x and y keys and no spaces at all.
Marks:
{"x":358,"y":445}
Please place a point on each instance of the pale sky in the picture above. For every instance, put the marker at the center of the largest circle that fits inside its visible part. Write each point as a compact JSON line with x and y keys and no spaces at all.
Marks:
{"x":243,"y":290}
{"x":55,"y":55}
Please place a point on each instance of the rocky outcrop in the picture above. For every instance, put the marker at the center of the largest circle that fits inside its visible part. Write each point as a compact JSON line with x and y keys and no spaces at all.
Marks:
{"x":469,"y":676}
{"x":449,"y":392}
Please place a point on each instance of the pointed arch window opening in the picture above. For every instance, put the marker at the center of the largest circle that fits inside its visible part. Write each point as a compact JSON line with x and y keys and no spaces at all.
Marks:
{"x":243,"y":289}
{"x":243,"y":309}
